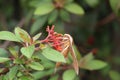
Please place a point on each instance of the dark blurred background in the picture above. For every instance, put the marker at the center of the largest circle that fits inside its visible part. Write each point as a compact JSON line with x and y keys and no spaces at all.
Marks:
{"x":98,"y":30}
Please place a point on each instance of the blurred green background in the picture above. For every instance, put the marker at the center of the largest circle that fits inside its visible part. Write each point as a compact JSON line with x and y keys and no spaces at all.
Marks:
{"x":95,"y":27}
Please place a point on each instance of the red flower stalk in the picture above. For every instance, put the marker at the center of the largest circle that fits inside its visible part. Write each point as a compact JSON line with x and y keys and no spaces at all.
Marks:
{"x":53,"y":38}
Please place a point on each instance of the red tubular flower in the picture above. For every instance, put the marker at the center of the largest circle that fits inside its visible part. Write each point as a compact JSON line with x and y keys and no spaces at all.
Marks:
{"x":53,"y":38}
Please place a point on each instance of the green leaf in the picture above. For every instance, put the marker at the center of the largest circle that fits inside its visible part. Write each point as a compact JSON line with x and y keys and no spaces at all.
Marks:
{"x":86,"y":59}
{"x":22,"y":34}
{"x":3,"y":59}
{"x":64,"y":15}
{"x":38,"y":24}
{"x":114,"y":75}
{"x":53,"y":55}
{"x":25,"y":78}
{"x":44,"y":9}
{"x":89,"y":63}
{"x":37,"y":36}
{"x":92,"y":3}
{"x":45,"y":62}
{"x":13,"y":52}
{"x":6,"y":35}
{"x":36,"y":3}
{"x":68,"y":1}
{"x":36,"y":66}
{"x":19,"y":74}
{"x":3,"y":53}
{"x":74,"y":8}
{"x":53,"y":16}
{"x":55,"y":77}
{"x":69,"y":74}
{"x":12,"y":73}
{"x":18,"y":61}
{"x":6,"y":77}
{"x":40,"y":74}
{"x":115,"y":5}
{"x":28,"y":51}
{"x":95,"y":65}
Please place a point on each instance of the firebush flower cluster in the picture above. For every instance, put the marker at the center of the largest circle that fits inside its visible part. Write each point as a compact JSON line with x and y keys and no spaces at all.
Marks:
{"x":54,"y":39}
{"x":61,"y":43}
